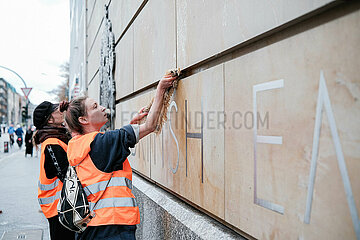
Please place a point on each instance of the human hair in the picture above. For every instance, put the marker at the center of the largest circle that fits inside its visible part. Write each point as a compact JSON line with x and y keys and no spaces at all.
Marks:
{"x":74,"y":109}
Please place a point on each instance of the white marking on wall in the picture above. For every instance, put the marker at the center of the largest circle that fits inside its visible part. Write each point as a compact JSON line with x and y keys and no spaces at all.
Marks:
{"x":173,"y":104}
{"x":264,"y":140}
{"x":269,"y":139}
{"x":324,"y":100}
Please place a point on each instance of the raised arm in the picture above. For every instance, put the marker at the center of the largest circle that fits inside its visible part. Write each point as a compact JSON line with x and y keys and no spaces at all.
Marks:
{"x":153,"y":115}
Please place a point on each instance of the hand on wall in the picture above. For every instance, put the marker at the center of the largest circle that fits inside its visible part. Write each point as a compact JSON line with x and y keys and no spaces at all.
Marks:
{"x":139,"y":116}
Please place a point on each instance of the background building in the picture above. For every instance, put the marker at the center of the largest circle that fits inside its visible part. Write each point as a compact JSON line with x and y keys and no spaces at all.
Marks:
{"x":3,"y":101}
{"x":12,"y":105}
{"x":263,"y":129}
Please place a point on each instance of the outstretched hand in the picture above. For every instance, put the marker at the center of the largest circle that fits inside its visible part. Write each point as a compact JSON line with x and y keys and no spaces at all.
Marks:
{"x":139,"y":116}
{"x":166,"y":81}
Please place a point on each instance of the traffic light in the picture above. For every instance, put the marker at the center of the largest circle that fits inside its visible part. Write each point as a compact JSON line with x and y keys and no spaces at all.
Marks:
{"x":24,"y":112}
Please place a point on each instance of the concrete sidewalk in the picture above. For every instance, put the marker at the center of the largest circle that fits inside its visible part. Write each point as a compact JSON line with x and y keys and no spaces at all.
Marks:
{"x":20,"y":217}
{"x":5,"y":138}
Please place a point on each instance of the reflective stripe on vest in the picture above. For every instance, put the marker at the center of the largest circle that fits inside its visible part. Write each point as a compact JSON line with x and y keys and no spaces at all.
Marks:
{"x":49,"y":199}
{"x":114,"y":202}
{"x":114,"y":182}
{"x":47,"y":187}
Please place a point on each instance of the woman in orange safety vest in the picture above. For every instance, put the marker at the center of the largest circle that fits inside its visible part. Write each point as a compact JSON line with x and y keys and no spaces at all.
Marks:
{"x":102,"y":165}
{"x":53,"y":137}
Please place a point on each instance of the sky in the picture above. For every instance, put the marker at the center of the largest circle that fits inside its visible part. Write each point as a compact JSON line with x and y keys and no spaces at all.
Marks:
{"x":34,"y":42}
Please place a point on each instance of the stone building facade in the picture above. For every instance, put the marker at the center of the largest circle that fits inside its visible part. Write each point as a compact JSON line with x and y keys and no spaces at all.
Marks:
{"x":263,"y":130}
{"x":11,"y":104}
{"x":3,"y":101}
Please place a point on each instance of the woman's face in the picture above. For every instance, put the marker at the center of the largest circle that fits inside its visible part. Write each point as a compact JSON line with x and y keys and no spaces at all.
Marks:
{"x":57,"y":117}
{"x":96,"y":114}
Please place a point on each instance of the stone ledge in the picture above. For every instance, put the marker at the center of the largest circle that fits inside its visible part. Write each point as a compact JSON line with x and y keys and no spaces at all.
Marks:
{"x":164,"y":216}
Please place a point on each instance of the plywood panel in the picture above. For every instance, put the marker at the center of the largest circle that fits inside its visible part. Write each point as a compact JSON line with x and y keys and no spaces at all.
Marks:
{"x":120,"y":14}
{"x":154,"y":42}
{"x":268,"y":164}
{"x":95,"y":22}
{"x":205,"y":28}
{"x":198,"y":173}
{"x":124,"y":65}
{"x":140,"y":157}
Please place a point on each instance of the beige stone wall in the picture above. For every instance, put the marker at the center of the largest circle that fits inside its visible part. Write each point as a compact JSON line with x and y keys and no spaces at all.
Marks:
{"x":14,"y":107}
{"x":294,"y":69}
{"x":78,"y":54}
{"x":263,"y":132}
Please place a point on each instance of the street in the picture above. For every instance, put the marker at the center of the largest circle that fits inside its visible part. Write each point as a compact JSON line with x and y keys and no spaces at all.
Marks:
{"x":20,"y":217}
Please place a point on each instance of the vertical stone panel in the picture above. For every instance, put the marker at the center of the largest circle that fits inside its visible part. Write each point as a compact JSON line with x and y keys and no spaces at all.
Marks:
{"x":120,"y":14}
{"x":94,"y":55}
{"x":93,"y":88}
{"x":154,"y":42}
{"x":140,"y":157}
{"x":95,"y":22}
{"x":90,"y":4}
{"x":124,"y":65}
{"x":283,"y":80}
{"x":78,"y":49}
{"x":198,"y":174}
{"x":205,"y":28}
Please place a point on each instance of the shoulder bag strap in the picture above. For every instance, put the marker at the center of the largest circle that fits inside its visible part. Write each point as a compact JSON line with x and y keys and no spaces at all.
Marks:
{"x":56,"y":164}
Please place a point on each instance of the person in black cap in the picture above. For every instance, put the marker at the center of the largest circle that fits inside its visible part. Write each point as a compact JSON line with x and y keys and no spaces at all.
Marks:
{"x":53,"y":137}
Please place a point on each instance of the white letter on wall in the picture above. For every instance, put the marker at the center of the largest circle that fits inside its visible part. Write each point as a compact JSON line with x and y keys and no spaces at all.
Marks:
{"x":173,"y":104}
{"x":265,"y":139}
{"x":323,"y":99}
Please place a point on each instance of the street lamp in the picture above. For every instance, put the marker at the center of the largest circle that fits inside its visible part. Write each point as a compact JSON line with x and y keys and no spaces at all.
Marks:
{"x":15,"y":74}
{"x":25,"y":108}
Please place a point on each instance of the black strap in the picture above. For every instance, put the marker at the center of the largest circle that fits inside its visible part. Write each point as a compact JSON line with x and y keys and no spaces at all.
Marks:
{"x":56,"y":164}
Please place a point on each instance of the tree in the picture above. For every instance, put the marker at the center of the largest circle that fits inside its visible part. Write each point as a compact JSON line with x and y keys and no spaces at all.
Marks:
{"x":62,"y":90}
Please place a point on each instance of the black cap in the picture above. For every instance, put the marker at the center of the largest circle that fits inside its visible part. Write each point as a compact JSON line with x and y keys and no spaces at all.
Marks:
{"x":42,"y":113}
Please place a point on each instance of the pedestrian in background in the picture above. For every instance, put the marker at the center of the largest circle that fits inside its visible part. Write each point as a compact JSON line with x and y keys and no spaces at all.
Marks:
{"x":19,"y":135}
{"x":53,"y":137}
{"x":28,"y":142}
{"x":102,"y":158}
{"x":11,"y":132}
{"x":3,"y":126}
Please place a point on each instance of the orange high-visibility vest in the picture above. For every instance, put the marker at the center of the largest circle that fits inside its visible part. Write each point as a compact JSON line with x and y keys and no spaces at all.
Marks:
{"x":49,"y":189}
{"x":116,"y":204}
